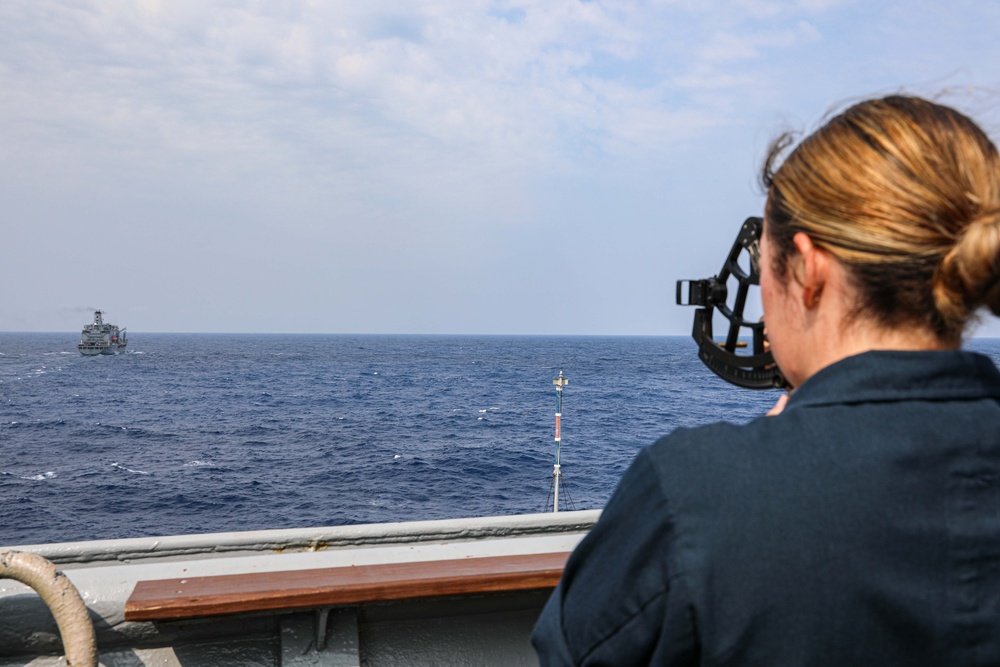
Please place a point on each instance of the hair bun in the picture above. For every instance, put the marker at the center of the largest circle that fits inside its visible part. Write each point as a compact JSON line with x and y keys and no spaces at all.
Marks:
{"x":969,"y":275}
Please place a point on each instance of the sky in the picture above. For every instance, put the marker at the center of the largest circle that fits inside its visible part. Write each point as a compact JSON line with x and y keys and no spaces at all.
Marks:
{"x":432,"y":166}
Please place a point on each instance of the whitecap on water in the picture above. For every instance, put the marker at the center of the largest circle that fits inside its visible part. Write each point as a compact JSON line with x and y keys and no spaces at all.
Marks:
{"x":36,"y":478}
{"x":121,"y":467}
{"x":195,"y":464}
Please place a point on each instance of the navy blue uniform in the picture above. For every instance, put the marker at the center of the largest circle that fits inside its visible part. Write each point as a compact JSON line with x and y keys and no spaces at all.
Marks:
{"x":859,"y":527}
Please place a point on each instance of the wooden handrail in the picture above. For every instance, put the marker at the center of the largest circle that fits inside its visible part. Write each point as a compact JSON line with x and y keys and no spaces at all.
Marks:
{"x":196,"y":597}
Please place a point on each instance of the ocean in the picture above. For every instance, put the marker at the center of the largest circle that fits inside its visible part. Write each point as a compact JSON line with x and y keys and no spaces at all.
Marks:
{"x":218,"y":432}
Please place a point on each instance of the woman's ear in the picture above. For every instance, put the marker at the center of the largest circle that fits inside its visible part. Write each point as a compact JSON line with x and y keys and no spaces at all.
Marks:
{"x":811,"y":269}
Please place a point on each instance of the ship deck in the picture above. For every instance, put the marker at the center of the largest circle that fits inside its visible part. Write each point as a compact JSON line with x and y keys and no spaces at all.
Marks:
{"x":452,"y":592}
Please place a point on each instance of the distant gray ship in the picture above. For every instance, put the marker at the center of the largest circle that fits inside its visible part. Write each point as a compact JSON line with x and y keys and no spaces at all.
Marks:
{"x":101,"y":338}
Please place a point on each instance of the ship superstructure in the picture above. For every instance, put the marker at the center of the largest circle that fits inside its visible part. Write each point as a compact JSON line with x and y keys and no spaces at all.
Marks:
{"x":101,"y":337}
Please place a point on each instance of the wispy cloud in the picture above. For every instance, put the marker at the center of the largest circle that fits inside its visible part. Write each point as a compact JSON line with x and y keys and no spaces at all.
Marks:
{"x":524,"y":82}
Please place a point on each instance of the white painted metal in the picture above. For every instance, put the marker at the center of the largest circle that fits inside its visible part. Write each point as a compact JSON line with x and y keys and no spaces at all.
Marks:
{"x":325,"y":638}
{"x":105,"y":573}
{"x":556,"y":480}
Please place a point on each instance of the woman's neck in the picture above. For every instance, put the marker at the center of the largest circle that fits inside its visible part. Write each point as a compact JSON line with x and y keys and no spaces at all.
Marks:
{"x":858,"y":335}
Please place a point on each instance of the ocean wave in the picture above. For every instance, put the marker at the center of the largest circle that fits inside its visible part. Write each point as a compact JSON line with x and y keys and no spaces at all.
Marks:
{"x":31,"y":478}
{"x":121,"y":467}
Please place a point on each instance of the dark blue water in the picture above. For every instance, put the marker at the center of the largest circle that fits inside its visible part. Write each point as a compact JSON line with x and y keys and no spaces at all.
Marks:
{"x":206,"y":433}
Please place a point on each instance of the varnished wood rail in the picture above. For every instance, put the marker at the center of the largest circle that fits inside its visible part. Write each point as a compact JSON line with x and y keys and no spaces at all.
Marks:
{"x":196,"y":597}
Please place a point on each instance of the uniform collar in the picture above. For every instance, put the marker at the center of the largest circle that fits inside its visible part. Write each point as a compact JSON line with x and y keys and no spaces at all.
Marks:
{"x":883,"y":375}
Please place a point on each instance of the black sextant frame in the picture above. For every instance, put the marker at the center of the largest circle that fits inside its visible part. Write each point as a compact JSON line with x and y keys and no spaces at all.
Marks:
{"x":756,"y":370}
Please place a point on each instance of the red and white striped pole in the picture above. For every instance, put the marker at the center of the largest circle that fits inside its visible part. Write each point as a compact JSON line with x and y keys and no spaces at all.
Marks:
{"x":559,"y":382}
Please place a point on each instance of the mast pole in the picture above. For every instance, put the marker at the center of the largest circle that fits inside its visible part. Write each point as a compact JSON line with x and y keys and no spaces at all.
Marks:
{"x":559,"y":382}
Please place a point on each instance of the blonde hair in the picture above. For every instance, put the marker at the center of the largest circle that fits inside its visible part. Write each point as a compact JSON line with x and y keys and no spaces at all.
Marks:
{"x":906,"y":194}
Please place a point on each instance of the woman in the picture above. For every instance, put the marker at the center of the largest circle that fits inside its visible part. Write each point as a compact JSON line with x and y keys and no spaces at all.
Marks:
{"x":860,"y":524}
